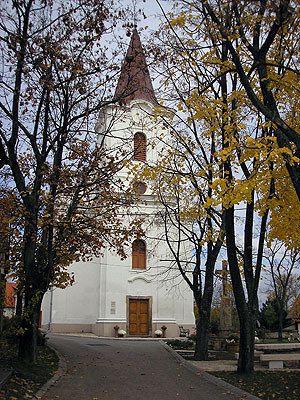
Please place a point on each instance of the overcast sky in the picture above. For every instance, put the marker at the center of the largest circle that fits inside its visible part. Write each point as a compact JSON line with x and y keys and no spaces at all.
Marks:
{"x":151,"y":10}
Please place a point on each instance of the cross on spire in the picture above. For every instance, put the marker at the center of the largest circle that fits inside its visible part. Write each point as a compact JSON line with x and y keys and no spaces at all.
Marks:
{"x":135,"y":13}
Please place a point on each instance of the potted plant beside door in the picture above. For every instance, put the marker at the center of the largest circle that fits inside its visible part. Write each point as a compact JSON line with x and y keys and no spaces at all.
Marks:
{"x":158,"y":333}
{"x":116,"y":329}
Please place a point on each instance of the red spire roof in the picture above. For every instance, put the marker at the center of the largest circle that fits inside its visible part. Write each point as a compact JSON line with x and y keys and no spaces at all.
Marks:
{"x":135,"y":82}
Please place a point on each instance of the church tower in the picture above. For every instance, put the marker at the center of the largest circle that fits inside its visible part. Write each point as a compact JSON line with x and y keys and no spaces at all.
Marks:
{"x":131,"y":294}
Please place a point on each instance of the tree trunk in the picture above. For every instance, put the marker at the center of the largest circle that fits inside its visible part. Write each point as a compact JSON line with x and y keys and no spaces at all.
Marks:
{"x":35,"y":285}
{"x":202,"y":333}
{"x":19,"y":304}
{"x":28,"y":341}
{"x":203,"y":302}
{"x":29,"y":326}
{"x":245,"y":311}
{"x":246,"y":352}
{"x":280,"y":323}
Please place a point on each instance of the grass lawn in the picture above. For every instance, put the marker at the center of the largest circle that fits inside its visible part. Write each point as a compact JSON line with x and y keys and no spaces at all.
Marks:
{"x":266,"y":385}
{"x":27,"y":378}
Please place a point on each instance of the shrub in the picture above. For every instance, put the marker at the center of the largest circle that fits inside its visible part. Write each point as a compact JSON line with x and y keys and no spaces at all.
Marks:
{"x":180,"y":344}
{"x":192,"y":337}
{"x":41,"y":338}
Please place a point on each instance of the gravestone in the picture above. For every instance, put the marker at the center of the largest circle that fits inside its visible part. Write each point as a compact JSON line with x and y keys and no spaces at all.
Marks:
{"x":226,"y":303}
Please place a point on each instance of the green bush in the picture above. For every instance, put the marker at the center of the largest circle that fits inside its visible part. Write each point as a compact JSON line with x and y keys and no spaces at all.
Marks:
{"x":192,"y":337}
{"x":41,"y":338}
{"x":180,"y":344}
{"x":11,"y":331}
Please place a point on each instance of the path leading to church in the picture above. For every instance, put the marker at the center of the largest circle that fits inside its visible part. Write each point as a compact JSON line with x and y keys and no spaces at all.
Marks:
{"x":100,"y":369}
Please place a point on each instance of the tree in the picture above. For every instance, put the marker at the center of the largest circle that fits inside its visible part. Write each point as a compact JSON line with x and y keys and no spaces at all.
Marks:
{"x":264,"y":52}
{"x":253,"y":183}
{"x":283,"y":284}
{"x":295,"y":309}
{"x":57,"y":76}
{"x":192,"y":228}
{"x":270,"y":316}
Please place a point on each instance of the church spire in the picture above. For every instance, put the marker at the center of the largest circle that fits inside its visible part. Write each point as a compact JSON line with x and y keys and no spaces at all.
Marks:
{"x":135,"y":82}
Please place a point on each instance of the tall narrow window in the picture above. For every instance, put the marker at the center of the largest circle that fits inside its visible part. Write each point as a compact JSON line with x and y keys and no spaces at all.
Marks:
{"x":138,"y":254}
{"x":139,"y":153}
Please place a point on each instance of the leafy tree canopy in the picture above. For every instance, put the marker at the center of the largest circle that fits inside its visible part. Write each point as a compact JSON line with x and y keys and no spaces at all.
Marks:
{"x":57,"y":75}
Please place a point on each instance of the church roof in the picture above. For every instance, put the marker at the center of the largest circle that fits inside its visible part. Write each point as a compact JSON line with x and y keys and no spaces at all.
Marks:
{"x":135,"y":82}
{"x":10,"y":292}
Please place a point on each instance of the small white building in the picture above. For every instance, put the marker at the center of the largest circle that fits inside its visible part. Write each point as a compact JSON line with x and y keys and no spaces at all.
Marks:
{"x":134,"y":293}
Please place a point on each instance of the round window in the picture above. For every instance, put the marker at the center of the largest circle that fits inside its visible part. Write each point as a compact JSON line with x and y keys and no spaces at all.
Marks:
{"x":140,"y":188}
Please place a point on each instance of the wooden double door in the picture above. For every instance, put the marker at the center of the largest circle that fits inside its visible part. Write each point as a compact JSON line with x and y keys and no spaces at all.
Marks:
{"x":139,"y":317}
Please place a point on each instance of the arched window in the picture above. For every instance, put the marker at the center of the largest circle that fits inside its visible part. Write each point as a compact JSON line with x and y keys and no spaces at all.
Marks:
{"x":138,"y":254}
{"x":139,"y":152}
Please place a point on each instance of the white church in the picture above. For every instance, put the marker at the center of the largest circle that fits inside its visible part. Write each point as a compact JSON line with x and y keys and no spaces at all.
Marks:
{"x":132,"y":294}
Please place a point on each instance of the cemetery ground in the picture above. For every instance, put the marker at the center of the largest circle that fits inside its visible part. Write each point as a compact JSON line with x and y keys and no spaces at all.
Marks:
{"x":27,"y":379}
{"x":265,"y":384}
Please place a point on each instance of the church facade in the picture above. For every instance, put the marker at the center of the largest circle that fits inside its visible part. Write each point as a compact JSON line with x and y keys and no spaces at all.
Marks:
{"x":143,"y":292}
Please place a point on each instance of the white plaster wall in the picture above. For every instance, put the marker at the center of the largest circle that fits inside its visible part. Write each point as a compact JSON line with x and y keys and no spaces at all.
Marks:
{"x":117,"y":126}
{"x":113,"y":290}
{"x":101,"y":282}
{"x":77,"y":304}
{"x":172,"y":298}
{"x":46,"y":308}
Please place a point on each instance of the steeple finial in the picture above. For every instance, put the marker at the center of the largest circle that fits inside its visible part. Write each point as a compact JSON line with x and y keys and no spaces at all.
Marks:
{"x":135,"y":13}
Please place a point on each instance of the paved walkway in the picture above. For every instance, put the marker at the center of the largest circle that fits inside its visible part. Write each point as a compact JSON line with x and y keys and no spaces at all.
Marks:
{"x":102,"y":369}
{"x":5,"y":374}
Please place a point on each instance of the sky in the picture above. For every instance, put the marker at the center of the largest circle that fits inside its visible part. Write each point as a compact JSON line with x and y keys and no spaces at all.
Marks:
{"x":152,"y":11}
